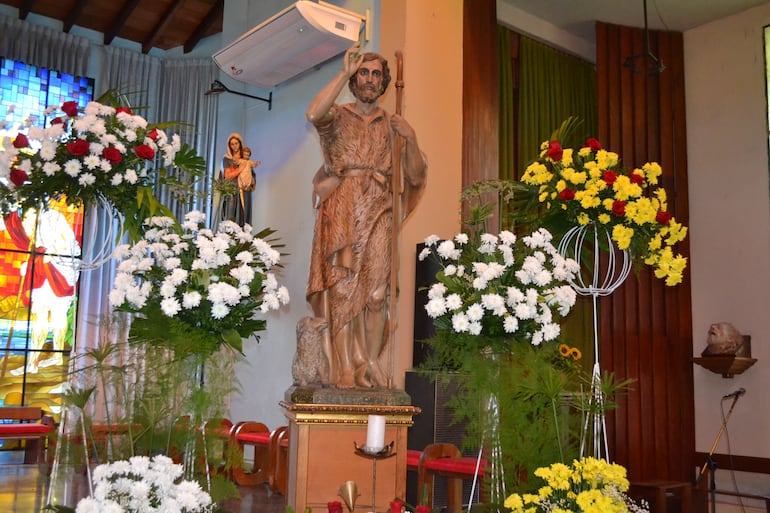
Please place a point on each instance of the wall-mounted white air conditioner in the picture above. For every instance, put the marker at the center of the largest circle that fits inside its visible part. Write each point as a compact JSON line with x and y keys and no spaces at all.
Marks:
{"x":301,"y":36}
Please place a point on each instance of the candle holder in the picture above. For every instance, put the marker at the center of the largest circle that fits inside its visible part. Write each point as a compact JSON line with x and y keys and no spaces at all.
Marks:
{"x":375,"y":454}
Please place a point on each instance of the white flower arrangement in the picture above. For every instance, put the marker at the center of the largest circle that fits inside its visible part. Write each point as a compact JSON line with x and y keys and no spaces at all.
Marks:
{"x":500,"y":286}
{"x":144,"y":485}
{"x":103,"y":153}
{"x":197,"y":288}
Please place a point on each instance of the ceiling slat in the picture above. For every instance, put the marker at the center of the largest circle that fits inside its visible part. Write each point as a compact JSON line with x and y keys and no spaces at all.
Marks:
{"x":216,"y":13}
{"x":161,"y":26}
{"x":73,"y":15}
{"x":25,"y":9}
{"x":120,"y":21}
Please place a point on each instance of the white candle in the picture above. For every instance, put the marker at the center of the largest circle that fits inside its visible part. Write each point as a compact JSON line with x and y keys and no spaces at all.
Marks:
{"x":375,"y":432}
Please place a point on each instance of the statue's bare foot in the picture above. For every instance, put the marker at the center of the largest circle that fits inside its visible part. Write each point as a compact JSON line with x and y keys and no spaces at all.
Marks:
{"x":346,"y":380}
{"x":361,"y":378}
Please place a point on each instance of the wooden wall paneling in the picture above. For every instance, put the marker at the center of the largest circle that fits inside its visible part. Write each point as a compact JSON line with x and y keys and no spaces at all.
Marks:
{"x":481,"y":97}
{"x":645,"y":327}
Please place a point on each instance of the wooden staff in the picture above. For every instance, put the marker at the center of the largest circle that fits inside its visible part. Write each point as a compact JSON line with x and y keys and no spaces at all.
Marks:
{"x":396,"y":193}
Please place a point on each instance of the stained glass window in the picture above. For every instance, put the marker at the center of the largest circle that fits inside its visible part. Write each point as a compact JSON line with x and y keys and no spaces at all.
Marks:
{"x":39,"y":254}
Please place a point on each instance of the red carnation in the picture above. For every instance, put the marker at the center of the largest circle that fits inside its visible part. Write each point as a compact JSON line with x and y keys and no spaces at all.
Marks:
{"x":619,"y":208}
{"x":70,"y":108}
{"x":153,"y":134}
{"x":422,"y":508}
{"x":21,"y":141}
{"x":554,"y":150}
{"x":396,"y":506}
{"x":567,"y":195}
{"x":123,"y":109}
{"x":18,"y":177}
{"x":58,"y":121}
{"x":112,"y":155}
{"x":609,"y":177}
{"x":78,"y":148}
{"x":594,"y":144}
{"x":663,"y":217}
{"x":144,"y":151}
{"x":637,"y":178}
{"x":334,"y":507}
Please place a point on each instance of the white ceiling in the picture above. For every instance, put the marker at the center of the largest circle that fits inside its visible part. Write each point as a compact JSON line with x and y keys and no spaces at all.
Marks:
{"x":578,"y":17}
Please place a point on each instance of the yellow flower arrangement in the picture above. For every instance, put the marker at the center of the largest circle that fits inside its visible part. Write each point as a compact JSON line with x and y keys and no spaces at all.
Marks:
{"x":589,"y":485}
{"x":588,"y":185}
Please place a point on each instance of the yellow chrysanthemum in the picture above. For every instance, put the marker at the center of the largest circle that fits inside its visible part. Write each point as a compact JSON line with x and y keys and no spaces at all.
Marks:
{"x":607,"y":204}
{"x":514,"y":502}
{"x":625,"y":190}
{"x":652,"y":171}
{"x":642,"y":211}
{"x":584,"y":151}
{"x":606,"y":159}
{"x":583,"y":219}
{"x":561,"y":185}
{"x":566,"y":157}
{"x":604,"y":218}
{"x":676,"y":232}
{"x":622,"y":236}
{"x":660,"y":194}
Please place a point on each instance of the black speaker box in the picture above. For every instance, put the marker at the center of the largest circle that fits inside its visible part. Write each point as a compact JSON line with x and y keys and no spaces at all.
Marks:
{"x":424,"y":277}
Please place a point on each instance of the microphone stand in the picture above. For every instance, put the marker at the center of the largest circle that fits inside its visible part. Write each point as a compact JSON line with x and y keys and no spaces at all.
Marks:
{"x":710,"y":464}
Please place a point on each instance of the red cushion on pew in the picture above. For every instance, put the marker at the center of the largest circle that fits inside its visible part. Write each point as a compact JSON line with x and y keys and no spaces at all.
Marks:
{"x":413,"y":458}
{"x":21,"y":429}
{"x":254,"y":438}
{"x":465,"y":466}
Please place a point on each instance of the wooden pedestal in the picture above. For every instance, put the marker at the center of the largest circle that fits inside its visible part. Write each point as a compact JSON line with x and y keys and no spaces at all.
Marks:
{"x":322,"y":454}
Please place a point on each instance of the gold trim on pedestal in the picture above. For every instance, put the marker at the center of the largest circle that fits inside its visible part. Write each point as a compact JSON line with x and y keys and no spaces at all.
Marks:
{"x":302,"y":413}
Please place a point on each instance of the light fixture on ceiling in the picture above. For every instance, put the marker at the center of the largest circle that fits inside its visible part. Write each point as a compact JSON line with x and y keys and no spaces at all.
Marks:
{"x":218,"y":87}
{"x":654,"y":66}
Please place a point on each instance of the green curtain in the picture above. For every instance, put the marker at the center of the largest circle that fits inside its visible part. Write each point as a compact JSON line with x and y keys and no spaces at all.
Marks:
{"x":553,"y":87}
{"x":507,"y":125}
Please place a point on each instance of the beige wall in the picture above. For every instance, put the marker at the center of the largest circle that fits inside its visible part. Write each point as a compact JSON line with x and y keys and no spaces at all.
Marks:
{"x":727,"y":153}
{"x":429,"y":32}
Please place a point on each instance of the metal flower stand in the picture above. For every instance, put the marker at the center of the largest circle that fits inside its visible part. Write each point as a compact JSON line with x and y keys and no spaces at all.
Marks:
{"x":586,"y":244}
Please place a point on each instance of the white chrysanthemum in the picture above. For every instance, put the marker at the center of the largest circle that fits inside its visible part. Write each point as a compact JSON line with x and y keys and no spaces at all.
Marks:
{"x":436,"y":290}
{"x":461,"y":239}
{"x":525,"y":311}
{"x":436,"y":307}
{"x":510,"y":324}
{"x":131,"y":176}
{"x":460,"y":322}
{"x":51,"y":168}
{"x":72,"y":167}
{"x":167,"y":289}
{"x":431,"y":240}
{"x":117,"y":297}
{"x":494,"y":303}
{"x":424,"y":253}
{"x":170,"y":306}
{"x":243,"y":273}
{"x":454,"y":302}
{"x":91,"y":161}
{"x":479,"y":283}
{"x":219,"y":310}
{"x":475,"y":328}
{"x":450,"y":270}
{"x":446,"y":250}
{"x":86,"y":179}
{"x":116,"y":179}
{"x":244,"y":257}
{"x":475,"y":312}
{"x":283,"y":295}
{"x":507,"y":237}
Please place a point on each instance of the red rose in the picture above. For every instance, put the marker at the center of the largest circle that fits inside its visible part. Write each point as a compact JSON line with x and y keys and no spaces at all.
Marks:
{"x":335,"y":507}
{"x":112,"y":155}
{"x":567,"y":195}
{"x":78,"y":148}
{"x":18,"y":177}
{"x":619,"y":208}
{"x":58,"y":121}
{"x":144,"y":151}
{"x":21,"y":141}
{"x":123,"y":109}
{"x":153,"y":134}
{"x":663,"y":217}
{"x":594,"y":144}
{"x":554,"y":150}
{"x":637,"y":178}
{"x":609,"y":177}
{"x":422,"y":508}
{"x":396,"y":506}
{"x":70,"y":109}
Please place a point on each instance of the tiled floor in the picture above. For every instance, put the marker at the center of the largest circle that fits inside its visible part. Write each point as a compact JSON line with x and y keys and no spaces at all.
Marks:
{"x":23,"y":489}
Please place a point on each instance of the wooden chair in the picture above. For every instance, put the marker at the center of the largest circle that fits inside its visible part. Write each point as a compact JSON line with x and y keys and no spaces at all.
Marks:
{"x":31,"y":426}
{"x":445,"y":460}
{"x":256,"y":435}
{"x":279,"y":460}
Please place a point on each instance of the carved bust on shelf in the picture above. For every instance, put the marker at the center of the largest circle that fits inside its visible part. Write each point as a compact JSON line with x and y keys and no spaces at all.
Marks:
{"x":725,"y":340}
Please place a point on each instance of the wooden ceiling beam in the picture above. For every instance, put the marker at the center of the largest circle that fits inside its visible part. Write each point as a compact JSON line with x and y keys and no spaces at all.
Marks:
{"x":117,"y":25}
{"x":216,"y":13}
{"x":161,"y":26}
{"x":73,"y":15}
{"x":25,"y":9}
